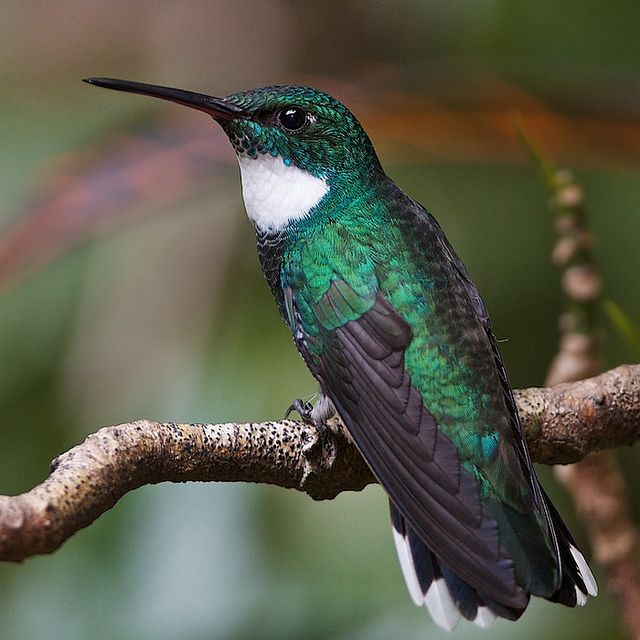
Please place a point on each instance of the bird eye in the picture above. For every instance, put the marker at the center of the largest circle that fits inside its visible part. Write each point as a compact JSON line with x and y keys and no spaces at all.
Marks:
{"x":292,"y":118}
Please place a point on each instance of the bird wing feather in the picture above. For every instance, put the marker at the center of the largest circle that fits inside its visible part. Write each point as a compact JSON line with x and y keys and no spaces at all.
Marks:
{"x":361,"y":366}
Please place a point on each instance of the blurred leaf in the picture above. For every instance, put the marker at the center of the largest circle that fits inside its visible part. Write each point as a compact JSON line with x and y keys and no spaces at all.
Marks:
{"x":625,"y":327}
{"x":540,"y":161}
{"x":109,"y":183}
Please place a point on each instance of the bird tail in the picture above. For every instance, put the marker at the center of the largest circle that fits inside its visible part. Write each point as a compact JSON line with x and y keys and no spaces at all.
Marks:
{"x":434,"y":585}
{"x":577,"y":581}
{"x":449,"y":598}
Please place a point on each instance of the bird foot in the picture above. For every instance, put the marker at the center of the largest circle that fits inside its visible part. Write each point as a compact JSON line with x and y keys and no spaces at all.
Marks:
{"x":304,"y":409}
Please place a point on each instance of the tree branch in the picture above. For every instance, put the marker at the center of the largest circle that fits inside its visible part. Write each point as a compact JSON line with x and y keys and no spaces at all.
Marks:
{"x":562,"y":423}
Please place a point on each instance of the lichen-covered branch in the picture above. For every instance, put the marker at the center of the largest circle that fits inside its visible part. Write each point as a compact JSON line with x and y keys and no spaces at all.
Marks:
{"x":563,"y":424}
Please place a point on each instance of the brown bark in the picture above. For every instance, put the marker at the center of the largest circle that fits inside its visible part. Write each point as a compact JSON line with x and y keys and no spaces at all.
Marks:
{"x":563,"y":424}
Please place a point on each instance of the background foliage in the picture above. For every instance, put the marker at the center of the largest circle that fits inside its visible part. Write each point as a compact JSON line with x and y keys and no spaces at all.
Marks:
{"x":168,"y":317}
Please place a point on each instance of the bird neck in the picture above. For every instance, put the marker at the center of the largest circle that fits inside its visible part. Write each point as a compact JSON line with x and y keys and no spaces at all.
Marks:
{"x":278,"y":194}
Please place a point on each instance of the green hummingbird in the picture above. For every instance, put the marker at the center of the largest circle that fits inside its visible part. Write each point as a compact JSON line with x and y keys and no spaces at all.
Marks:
{"x":390,"y":324}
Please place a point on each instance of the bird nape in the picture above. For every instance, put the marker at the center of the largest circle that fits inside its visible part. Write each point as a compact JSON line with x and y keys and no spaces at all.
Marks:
{"x":389,"y":322}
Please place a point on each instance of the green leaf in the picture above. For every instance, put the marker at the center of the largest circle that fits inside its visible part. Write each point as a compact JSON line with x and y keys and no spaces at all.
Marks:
{"x":623,"y":324}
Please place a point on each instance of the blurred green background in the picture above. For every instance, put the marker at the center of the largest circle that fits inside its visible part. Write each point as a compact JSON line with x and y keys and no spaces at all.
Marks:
{"x":167,"y":316}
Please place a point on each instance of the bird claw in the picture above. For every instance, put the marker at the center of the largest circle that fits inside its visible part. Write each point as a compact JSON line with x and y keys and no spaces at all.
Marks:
{"x":303,"y":409}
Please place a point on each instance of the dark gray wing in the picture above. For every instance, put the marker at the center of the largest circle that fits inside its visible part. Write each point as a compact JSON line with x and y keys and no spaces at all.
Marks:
{"x":361,"y":368}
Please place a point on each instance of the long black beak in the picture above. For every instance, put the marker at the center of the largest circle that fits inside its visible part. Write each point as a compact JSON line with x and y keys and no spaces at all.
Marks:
{"x":218,"y":108}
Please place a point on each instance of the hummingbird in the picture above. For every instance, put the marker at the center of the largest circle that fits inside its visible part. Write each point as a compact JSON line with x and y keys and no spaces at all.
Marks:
{"x":389,"y":322}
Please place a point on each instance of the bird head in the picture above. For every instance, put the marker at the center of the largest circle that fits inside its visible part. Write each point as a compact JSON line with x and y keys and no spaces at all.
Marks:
{"x":295,"y":145}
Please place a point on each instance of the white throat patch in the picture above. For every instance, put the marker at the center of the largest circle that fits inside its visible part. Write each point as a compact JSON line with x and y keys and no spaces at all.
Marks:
{"x":275,"y":194}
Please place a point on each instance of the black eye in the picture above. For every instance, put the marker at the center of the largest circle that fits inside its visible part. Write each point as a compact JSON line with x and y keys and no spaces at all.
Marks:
{"x":292,"y":118}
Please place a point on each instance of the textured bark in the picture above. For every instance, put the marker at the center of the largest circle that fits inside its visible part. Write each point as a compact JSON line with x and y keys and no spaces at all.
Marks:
{"x":563,"y":424}
{"x":567,"y":421}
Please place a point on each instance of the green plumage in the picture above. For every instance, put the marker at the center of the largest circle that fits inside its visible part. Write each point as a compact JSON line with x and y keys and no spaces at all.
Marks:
{"x":337,"y":262}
